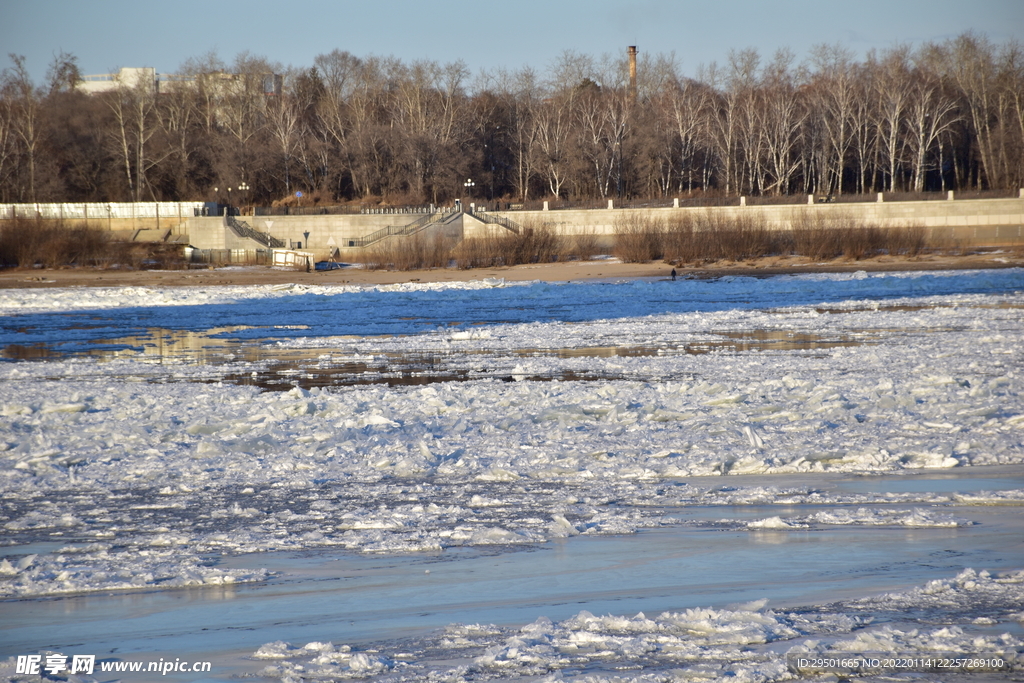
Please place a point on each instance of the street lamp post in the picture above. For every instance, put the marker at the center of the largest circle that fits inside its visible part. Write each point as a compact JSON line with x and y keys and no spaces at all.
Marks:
{"x":244,"y":187}
{"x":469,"y":185}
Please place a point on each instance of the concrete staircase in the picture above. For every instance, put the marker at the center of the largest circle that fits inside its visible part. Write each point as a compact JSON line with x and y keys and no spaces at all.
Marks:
{"x":429,"y":220}
{"x":507,"y":223}
{"x":244,"y":230}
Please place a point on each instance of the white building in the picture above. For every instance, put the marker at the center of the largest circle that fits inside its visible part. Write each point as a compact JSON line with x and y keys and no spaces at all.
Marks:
{"x":132,"y":77}
{"x":127,"y":76}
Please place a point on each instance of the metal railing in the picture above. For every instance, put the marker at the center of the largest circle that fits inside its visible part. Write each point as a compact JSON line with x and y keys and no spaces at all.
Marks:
{"x":486,"y":217}
{"x":101,"y":210}
{"x":417,"y":225}
{"x":340,"y":210}
{"x":715,"y":199}
{"x":242,"y":229}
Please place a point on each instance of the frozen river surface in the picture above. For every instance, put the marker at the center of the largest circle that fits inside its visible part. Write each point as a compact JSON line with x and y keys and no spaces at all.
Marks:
{"x":450,"y":482}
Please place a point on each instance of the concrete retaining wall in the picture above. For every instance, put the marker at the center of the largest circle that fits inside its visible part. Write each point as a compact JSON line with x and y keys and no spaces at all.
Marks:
{"x":978,"y":222}
{"x":113,"y":216}
{"x":125,"y":225}
{"x":930,"y":214}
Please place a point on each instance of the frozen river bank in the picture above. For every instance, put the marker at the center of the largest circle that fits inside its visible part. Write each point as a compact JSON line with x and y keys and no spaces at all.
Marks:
{"x":142,"y":451}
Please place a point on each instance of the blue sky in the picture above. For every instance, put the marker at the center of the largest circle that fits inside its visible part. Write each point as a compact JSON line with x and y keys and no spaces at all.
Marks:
{"x":106,"y":34}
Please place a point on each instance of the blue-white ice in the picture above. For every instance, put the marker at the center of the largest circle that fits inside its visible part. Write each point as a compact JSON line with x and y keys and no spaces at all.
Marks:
{"x":34,"y":315}
{"x":742,"y":643}
{"x":128,"y":473}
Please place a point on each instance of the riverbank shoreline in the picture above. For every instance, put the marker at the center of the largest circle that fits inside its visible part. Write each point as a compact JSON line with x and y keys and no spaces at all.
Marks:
{"x":599,"y":269}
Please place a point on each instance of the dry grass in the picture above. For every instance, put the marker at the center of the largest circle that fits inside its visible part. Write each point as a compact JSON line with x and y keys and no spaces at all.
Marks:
{"x":537,"y":243}
{"x":823,"y":237}
{"x":52,"y":244}
{"x":709,"y":236}
{"x":642,"y":237}
{"x":410,"y":253}
{"x":585,"y":245}
{"x":639,"y":237}
{"x":911,"y":240}
{"x":27,"y":243}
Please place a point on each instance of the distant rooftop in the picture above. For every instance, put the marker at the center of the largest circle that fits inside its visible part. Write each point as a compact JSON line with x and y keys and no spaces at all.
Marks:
{"x":132,"y":77}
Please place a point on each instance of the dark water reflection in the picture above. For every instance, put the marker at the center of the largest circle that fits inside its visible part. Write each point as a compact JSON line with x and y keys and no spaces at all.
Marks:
{"x":280,"y":369}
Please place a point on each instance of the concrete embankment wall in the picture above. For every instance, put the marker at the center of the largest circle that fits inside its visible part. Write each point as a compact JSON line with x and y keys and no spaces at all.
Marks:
{"x":978,"y":222}
{"x":325,"y":232}
{"x":122,"y":227}
{"x":968,"y":222}
{"x":124,"y":218}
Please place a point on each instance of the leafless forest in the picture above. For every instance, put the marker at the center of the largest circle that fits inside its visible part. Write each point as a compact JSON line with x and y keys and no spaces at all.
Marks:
{"x":938,"y":117}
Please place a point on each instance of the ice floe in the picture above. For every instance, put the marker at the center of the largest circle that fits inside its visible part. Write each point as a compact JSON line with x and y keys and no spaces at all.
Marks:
{"x":584,"y":408}
{"x":743,"y":643}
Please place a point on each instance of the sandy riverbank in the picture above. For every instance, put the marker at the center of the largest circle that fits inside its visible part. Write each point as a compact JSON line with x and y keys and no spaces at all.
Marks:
{"x":551,"y":272}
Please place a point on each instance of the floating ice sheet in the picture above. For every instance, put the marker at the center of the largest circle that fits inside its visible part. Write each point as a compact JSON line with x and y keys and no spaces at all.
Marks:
{"x":745,"y":643}
{"x":129,"y":457}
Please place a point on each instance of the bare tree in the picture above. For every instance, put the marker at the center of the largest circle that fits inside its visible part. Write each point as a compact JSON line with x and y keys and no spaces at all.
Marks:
{"x":1014,"y":89}
{"x":733,"y":126}
{"x":8,"y":149}
{"x":746,"y":103}
{"x":178,"y":117}
{"x":862,"y":159}
{"x":931,"y":113}
{"x":552,"y":127}
{"x":242,"y":113}
{"x":63,"y":74}
{"x":376,"y":161}
{"x":24,"y":115}
{"x":596,"y":135}
{"x":520,"y":94}
{"x":206,"y":78}
{"x":133,"y":107}
{"x":337,"y":112}
{"x":834,"y":97}
{"x":971,"y":62}
{"x":782,"y":119}
{"x":284,"y":127}
{"x":689,"y":107}
{"x":892,"y":95}
{"x":314,"y":151}
{"x":383,"y":130}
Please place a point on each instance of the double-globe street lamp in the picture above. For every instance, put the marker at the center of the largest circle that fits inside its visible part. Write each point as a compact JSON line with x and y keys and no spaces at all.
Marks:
{"x":469,"y":185}
{"x":242,"y":187}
